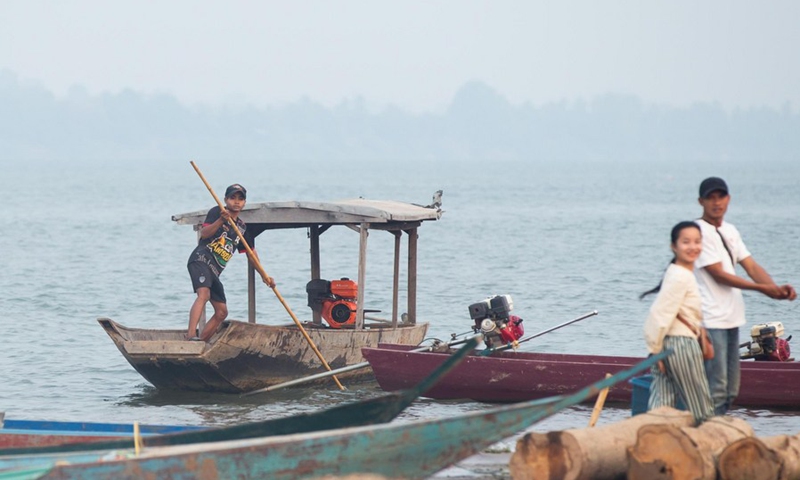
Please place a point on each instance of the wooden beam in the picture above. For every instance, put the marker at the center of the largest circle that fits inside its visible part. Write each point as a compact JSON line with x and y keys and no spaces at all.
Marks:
{"x":412,"y":275}
{"x":251,"y":287}
{"x":251,"y":293}
{"x":396,"y":279}
{"x":362,"y":274}
{"x":201,"y":323}
{"x":316,"y":269}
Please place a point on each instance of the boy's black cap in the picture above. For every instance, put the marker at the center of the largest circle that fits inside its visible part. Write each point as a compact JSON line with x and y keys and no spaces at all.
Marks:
{"x":235,"y":188}
{"x":712,"y":184}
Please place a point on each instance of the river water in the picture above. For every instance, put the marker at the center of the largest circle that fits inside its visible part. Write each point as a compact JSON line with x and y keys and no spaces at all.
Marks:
{"x":97,"y":240}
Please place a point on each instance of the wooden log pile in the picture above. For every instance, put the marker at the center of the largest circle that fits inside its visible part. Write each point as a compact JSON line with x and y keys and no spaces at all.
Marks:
{"x":591,"y":453}
{"x":661,"y":444}
{"x":672,"y":452}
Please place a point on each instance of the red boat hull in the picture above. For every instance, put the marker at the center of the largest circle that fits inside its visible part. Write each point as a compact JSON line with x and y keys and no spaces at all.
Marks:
{"x":516,"y":376}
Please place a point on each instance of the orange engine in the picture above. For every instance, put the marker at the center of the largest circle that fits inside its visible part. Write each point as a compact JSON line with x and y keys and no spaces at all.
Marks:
{"x":339,"y":312}
{"x":334,"y":300}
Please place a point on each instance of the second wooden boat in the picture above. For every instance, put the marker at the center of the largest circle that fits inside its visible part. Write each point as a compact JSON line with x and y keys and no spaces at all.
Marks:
{"x":510,"y":376}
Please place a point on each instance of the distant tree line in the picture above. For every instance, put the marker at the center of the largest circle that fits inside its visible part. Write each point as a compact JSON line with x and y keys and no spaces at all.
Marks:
{"x":479,"y":125}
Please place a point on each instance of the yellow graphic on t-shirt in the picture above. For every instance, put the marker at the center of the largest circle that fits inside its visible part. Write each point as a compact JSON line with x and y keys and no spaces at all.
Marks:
{"x":222,"y":248}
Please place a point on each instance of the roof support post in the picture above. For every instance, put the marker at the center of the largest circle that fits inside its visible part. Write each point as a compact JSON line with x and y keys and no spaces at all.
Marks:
{"x":396,"y":280}
{"x":362,"y":274}
{"x":251,"y":293}
{"x":316,"y":269}
{"x":201,"y":323}
{"x":412,"y":275}
{"x":251,"y":287}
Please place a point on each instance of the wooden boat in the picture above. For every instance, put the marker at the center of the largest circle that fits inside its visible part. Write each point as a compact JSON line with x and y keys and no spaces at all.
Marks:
{"x":406,"y":450}
{"x":510,"y":376}
{"x":373,"y":411}
{"x":37,"y":433}
{"x":245,"y":355}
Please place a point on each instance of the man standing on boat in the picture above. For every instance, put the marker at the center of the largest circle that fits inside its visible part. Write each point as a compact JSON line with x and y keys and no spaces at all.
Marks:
{"x":721,"y":290}
{"x":217,"y":243}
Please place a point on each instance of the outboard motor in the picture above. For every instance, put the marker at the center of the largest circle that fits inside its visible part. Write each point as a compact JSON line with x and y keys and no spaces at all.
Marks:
{"x":493,"y":319}
{"x":767,"y":344}
{"x":334,"y":300}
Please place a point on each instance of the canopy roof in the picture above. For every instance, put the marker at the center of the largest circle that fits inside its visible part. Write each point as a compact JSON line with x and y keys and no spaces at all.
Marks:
{"x":382,"y":214}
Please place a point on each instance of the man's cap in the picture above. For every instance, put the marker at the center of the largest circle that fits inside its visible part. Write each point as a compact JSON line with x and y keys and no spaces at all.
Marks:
{"x":235,"y":188}
{"x":712,"y":184}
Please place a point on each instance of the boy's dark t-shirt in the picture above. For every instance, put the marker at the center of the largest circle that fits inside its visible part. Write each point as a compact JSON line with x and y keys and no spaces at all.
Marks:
{"x":216,"y":250}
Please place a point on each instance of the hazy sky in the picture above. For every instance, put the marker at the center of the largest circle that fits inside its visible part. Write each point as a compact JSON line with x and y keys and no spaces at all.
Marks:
{"x":411,"y":54}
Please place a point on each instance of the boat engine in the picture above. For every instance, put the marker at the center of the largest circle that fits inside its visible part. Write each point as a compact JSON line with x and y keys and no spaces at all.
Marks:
{"x":493,"y":319}
{"x":334,"y":300}
{"x":767,"y":344}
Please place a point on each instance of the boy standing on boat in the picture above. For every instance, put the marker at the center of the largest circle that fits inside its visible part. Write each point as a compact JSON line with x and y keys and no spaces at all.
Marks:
{"x":721,"y":290}
{"x":217,"y":243}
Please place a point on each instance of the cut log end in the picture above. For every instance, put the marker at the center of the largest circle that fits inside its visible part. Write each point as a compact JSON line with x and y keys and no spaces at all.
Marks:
{"x":542,"y":456}
{"x":655,"y":444}
{"x":748,"y":458}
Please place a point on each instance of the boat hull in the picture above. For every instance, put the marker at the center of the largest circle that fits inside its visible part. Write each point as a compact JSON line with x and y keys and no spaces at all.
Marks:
{"x":244,"y":356}
{"x":41,"y":433}
{"x":517,"y":376}
{"x":397,"y":450}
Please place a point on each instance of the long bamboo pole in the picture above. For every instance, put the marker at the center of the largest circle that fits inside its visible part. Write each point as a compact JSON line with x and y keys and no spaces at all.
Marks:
{"x":266,"y":277}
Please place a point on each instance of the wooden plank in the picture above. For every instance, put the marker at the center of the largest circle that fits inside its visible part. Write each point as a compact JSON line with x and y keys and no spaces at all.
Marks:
{"x":164,"y":347}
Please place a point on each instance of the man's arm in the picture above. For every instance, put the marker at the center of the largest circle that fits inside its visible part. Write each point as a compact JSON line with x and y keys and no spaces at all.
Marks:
{"x":761,"y":282}
{"x":254,"y":260}
{"x":210,"y":229}
{"x":760,"y":276}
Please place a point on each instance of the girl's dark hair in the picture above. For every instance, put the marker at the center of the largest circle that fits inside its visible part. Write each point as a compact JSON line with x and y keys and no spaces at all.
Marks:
{"x":676,"y":232}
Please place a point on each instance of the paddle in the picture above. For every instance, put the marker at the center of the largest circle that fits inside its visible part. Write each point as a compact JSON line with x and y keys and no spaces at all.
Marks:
{"x":358,"y":366}
{"x":266,"y":277}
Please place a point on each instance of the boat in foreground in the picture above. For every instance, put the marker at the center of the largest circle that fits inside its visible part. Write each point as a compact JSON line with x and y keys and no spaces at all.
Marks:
{"x":407,"y":450}
{"x":40,"y":433}
{"x":244,"y":356}
{"x":512,"y":376}
{"x":372,"y":411}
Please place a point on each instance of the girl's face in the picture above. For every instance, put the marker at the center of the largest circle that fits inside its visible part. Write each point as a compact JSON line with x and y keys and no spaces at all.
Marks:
{"x":688,"y":246}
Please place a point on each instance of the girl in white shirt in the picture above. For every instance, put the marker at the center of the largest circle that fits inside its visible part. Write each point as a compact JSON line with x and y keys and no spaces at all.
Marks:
{"x":681,"y":375}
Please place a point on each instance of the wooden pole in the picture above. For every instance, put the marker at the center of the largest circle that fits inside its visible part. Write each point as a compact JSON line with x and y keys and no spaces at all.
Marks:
{"x":137,"y":439}
{"x":598,"y":405}
{"x":266,"y":277}
{"x":396,"y":277}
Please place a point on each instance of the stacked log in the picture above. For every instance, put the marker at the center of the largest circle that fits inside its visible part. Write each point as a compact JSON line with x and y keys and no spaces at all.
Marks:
{"x":592,"y":453}
{"x":675,"y":452}
{"x":766,"y":458}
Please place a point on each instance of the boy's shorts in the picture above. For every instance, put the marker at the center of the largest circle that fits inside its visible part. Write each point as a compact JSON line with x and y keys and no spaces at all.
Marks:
{"x":202,"y":276}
